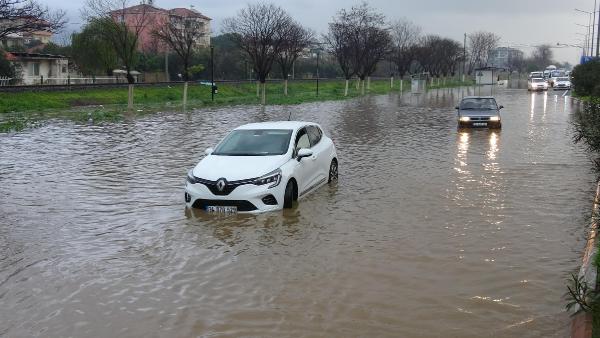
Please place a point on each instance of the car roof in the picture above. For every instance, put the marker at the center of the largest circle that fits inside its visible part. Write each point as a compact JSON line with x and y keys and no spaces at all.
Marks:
{"x":478,"y":97}
{"x":294,"y":125}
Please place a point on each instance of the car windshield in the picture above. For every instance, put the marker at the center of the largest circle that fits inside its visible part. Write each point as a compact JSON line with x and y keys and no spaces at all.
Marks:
{"x":538,"y":80}
{"x":562,"y":79}
{"x":255,"y":142}
{"x":478,"y":104}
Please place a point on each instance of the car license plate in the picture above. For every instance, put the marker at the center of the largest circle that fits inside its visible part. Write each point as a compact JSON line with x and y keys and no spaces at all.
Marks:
{"x":480,"y":124}
{"x":221,"y":209}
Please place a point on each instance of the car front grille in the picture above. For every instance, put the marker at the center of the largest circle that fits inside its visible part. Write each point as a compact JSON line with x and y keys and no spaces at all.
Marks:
{"x":239,"y":204}
{"x":227,"y":189}
{"x":480,"y":118}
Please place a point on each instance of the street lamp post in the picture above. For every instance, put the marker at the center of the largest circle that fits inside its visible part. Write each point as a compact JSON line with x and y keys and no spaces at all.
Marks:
{"x":585,"y":42}
{"x":591,"y":37}
{"x":318,"y":53}
{"x":212,"y":73}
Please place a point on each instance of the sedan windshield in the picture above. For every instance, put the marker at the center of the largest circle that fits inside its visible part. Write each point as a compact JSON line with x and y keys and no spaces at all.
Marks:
{"x":562,"y":79}
{"x":478,"y":104}
{"x":259,"y":142}
{"x":538,"y":80}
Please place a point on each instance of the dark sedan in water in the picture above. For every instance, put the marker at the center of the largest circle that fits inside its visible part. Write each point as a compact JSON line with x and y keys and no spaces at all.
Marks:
{"x":479,"y":111}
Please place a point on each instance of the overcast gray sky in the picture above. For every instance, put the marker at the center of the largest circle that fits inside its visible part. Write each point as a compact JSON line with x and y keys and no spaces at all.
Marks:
{"x":520,"y":23}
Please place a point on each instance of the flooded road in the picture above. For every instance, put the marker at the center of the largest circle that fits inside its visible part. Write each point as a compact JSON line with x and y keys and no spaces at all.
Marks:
{"x":430,"y":232}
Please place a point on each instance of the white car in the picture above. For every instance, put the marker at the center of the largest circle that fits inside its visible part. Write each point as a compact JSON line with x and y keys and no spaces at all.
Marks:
{"x":562,"y":83}
{"x":537,"y":83}
{"x":262,"y":167}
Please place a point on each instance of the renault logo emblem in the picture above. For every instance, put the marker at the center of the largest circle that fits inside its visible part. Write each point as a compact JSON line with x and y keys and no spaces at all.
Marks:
{"x":221,"y":183}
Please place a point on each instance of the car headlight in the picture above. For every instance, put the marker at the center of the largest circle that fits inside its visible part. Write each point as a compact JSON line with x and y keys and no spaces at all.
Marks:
{"x":273,"y":179}
{"x":495,"y":118}
{"x":190,"y":177}
{"x":465,"y":119}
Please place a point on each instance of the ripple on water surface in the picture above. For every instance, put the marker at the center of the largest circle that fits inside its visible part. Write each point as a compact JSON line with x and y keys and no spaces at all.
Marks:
{"x":429,"y":232}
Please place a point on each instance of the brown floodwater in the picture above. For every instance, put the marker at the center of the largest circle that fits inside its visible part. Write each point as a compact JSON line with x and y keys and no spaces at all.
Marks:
{"x":430,"y":232}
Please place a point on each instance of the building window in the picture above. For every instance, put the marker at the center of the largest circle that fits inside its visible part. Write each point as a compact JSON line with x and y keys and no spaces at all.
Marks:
{"x":34,"y":69}
{"x":64,"y":68}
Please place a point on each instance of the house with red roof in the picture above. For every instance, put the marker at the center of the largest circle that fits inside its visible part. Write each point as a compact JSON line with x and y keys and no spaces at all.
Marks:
{"x":147,"y":18}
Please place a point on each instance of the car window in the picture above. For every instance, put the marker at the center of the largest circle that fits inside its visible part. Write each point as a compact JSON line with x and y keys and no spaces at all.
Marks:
{"x":478,"y":104}
{"x":314,"y":134}
{"x":259,"y":142}
{"x":302,"y":140}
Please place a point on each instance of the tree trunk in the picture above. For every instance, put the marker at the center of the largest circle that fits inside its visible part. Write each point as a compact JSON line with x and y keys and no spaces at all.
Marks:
{"x":346,"y":89}
{"x":391,"y":82}
{"x":363,"y":87}
{"x":130,"y":97}
{"x":185,"y":90}
{"x":358,"y":84}
{"x":401,"y":84}
{"x":257,"y":88}
{"x":368,"y":83}
{"x":130,"y":78}
{"x":264,"y":94}
{"x":285,"y":87}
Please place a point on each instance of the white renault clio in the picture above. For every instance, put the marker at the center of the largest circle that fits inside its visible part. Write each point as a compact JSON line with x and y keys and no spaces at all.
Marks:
{"x":262,"y":167}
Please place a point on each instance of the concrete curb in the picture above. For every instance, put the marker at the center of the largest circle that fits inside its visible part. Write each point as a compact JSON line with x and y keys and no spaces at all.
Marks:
{"x":581,"y":324}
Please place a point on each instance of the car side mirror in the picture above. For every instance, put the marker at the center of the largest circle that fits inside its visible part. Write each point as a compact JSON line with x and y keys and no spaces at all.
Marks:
{"x":302,"y":153}
{"x":500,"y":107}
{"x":209,"y":151}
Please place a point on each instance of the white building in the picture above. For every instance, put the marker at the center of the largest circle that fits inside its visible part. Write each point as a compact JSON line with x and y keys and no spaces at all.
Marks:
{"x":35,"y":68}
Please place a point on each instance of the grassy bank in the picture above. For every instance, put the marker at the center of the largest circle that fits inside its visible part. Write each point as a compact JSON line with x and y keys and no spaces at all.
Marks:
{"x":25,"y":109}
{"x":586,"y":123}
{"x":198,"y":95}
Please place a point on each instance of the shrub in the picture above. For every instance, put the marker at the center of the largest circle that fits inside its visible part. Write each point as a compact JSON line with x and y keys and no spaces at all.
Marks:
{"x":6,"y":68}
{"x":586,"y":79}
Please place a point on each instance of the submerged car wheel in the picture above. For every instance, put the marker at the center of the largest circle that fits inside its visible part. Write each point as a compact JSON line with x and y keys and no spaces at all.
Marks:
{"x":333,"y":171}
{"x":288,"y":197}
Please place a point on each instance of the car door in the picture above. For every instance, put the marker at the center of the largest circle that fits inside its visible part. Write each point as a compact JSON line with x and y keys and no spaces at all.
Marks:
{"x":320,"y":152}
{"x":305,"y":168}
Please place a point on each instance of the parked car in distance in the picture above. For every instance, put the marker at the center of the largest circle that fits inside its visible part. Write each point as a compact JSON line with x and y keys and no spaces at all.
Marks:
{"x":562,"y":83}
{"x":537,"y":83}
{"x":262,"y":167}
{"x":536,"y":74}
{"x":479,"y":111}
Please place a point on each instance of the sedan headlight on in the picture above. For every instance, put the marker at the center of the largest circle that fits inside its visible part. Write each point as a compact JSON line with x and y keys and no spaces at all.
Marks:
{"x":495,"y":118}
{"x":273,"y":179}
{"x":465,"y":119}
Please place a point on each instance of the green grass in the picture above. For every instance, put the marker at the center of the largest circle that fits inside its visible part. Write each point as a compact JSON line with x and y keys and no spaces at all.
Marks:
{"x":21,"y":110}
{"x":198,"y":95}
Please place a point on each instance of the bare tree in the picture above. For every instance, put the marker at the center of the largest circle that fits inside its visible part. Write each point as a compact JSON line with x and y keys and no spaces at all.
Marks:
{"x":363,"y":30}
{"x":182,"y":34}
{"x":26,"y":16}
{"x":405,"y":35}
{"x":542,"y":56}
{"x":260,"y":30}
{"x":296,"y":39}
{"x":122,"y":25}
{"x":480,"y":45}
{"x":339,"y":43}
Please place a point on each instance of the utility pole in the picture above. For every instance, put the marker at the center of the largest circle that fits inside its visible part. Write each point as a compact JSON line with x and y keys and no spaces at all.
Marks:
{"x":598,"y":36}
{"x":464,"y":58}
{"x":318,"y":53}
{"x":593,"y":28}
{"x":167,"y":77}
{"x":212,"y":72}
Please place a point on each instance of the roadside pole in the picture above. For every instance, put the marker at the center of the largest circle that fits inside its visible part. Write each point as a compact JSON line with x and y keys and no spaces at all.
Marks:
{"x":212,"y":73}
{"x":130,"y":97}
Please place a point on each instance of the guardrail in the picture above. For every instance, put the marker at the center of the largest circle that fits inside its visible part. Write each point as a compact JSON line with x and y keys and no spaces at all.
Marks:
{"x":68,"y":84}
